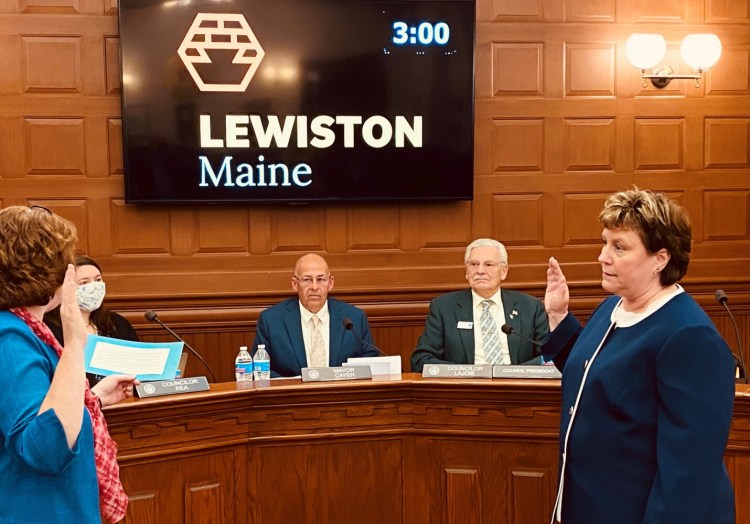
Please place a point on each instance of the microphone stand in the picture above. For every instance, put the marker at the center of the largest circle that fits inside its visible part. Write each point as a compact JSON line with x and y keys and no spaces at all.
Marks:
{"x":721,"y":298}
{"x":152,"y":317}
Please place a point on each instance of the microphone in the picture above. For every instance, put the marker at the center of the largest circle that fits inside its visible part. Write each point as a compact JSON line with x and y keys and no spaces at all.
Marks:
{"x":349,"y":326}
{"x":508,"y":329}
{"x":150,"y":315}
{"x":722,"y":299}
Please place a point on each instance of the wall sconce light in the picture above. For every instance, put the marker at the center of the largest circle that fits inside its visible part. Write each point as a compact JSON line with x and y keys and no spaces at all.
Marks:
{"x":646,"y":51}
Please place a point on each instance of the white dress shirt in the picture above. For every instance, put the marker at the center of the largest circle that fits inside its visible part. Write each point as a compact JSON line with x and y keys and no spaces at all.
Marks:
{"x":325,"y":318}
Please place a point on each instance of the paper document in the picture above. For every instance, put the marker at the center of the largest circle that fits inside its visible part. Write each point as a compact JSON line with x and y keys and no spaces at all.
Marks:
{"x":145,"y":360}
{"x":390,"y":365}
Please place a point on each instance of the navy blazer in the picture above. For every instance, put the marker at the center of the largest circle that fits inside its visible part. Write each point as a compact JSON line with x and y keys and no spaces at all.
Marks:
{"x":442,"y":342}
{"x":280,"y":329}
{"x":646,"y":442}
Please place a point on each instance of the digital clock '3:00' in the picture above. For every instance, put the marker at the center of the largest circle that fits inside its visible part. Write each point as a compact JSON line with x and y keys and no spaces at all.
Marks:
{"x":425,"y":33}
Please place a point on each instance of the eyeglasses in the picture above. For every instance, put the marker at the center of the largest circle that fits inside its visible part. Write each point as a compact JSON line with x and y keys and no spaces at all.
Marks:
{"x":308,"y":281}
{"x":34,"y":208}
{"x":474,"y":265}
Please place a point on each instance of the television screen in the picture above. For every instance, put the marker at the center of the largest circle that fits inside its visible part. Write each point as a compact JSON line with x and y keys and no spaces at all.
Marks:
{"x":297,"y":100}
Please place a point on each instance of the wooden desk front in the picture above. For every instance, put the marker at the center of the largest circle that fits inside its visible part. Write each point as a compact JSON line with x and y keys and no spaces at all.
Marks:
{"x":408,"y":450}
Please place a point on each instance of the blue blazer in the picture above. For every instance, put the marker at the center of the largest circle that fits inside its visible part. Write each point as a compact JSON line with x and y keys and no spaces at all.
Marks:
{"x":442,"y":342}
{"x":647,"y":441}
{"x":280,"y":329}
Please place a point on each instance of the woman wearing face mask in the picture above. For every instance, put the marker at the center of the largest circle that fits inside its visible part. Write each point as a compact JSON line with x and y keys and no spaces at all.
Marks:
{"x":99,"y":321}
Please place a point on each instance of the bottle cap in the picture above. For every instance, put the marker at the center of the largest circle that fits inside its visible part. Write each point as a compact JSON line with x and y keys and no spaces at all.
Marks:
{"x":243,"y":347}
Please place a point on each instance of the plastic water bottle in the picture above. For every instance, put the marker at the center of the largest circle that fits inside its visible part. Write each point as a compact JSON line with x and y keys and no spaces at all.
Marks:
{"x":243,"y":365}
{"x":262,"y":363}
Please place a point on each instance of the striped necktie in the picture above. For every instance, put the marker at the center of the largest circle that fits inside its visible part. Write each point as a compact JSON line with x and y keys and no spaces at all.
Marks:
{"x":490,"y":336}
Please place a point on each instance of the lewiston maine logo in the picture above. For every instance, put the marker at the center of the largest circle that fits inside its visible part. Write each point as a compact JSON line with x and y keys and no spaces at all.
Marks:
{"x":225,"y":32}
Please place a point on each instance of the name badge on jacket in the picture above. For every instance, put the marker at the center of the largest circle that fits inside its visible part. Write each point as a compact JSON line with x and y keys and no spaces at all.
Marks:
{"x":463,"y":324}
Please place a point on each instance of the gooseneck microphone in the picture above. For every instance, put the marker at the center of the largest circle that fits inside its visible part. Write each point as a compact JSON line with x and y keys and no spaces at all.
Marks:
{"x":722,"y":299}
{"x":349,"y":326}
{"x":151,"y":317}
{"x":508,"y":330}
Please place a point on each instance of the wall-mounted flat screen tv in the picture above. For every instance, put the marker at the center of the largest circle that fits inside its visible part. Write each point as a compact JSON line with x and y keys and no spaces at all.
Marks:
{"x":237,"y":101}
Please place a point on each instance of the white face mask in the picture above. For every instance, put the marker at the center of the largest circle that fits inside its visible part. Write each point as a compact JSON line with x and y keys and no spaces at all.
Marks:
{"x":90,"y":296}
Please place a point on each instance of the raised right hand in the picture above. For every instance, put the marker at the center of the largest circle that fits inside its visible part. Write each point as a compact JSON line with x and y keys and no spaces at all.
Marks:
{"x":74,"y":329}
{"x":557,"y":296}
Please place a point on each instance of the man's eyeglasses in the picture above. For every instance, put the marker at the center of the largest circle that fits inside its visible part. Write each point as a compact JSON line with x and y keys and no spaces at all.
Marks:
{"x":308,"y":281}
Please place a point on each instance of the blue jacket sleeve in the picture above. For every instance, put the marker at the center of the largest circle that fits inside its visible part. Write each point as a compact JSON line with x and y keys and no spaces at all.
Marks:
{"x":262,"y":336}
{"x":364,"y":328}
{"x":695,"y":386}
{"x":561,"y":340}
{"x":37,"y":440}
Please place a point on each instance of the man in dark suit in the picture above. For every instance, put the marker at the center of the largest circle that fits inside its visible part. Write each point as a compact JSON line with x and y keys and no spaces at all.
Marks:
{"x":308,"y":331}
{"x":464,"y":327}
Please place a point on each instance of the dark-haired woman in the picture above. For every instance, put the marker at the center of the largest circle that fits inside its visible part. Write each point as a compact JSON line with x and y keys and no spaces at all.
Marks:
{"x":98,"y":319}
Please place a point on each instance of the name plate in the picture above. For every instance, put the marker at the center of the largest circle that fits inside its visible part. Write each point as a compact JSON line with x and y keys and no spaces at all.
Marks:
{"x":158,"y":388}
{"x":499,"y":371}
{"x":336,"y":373}
{"x":457,"y":371}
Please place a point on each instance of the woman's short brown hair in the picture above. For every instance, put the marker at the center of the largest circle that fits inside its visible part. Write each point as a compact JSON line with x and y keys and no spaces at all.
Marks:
{"x":36,"y":247}
{"x":660,"y":222}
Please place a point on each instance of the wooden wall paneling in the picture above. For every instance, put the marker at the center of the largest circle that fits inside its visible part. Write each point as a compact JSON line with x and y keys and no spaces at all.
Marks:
{"x":518,"y":69}
{"x":668,"y":11}
{"x":590,"y":11}
{"x":518,"y":219}
{"x":54,"y":146}
{"x":659,"y":143}
{"x":590,"y":144}
{"x":445,"y":228}
{"x":52,"y":64}
{"x":561,"y":121}
{"x":719,"y":211}
{"x":517,"y":145}
{"x":298,"y":229}
{"x":115,"y":164}
{"x":529,"y":495}
{"x":362,"y":236}
{"x":731,"y":75}
{"x":485,"y":484}
{"x":721,"y":11}
{"x":329,"y":482}
{"x":203,"y":484}
{"x":589,"y":69}
{"x":463,"y":496}
{"x":727,"y":143}
{"x":517,"y":10}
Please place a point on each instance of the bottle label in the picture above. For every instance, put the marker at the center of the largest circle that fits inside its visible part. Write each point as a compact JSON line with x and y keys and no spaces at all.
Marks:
{"x":262,"y":365}
{"x":243,"y":368}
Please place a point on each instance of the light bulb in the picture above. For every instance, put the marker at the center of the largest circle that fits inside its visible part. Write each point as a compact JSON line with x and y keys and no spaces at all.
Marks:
{"x":701,"y":51}
{"x":644,"y":51}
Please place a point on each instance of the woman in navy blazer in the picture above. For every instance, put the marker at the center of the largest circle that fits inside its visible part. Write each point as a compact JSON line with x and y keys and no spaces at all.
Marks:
{"x":648,"y":387}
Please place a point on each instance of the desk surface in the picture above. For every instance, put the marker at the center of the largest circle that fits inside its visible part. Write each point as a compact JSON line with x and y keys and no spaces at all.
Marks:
{"x":393,"y":449}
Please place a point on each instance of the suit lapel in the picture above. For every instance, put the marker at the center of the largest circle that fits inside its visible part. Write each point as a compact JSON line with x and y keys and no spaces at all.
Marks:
{"x":464,"y":313}
{"x":511,"y":317}
{"x":335,"y":332}
{"x":293,"y":326}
